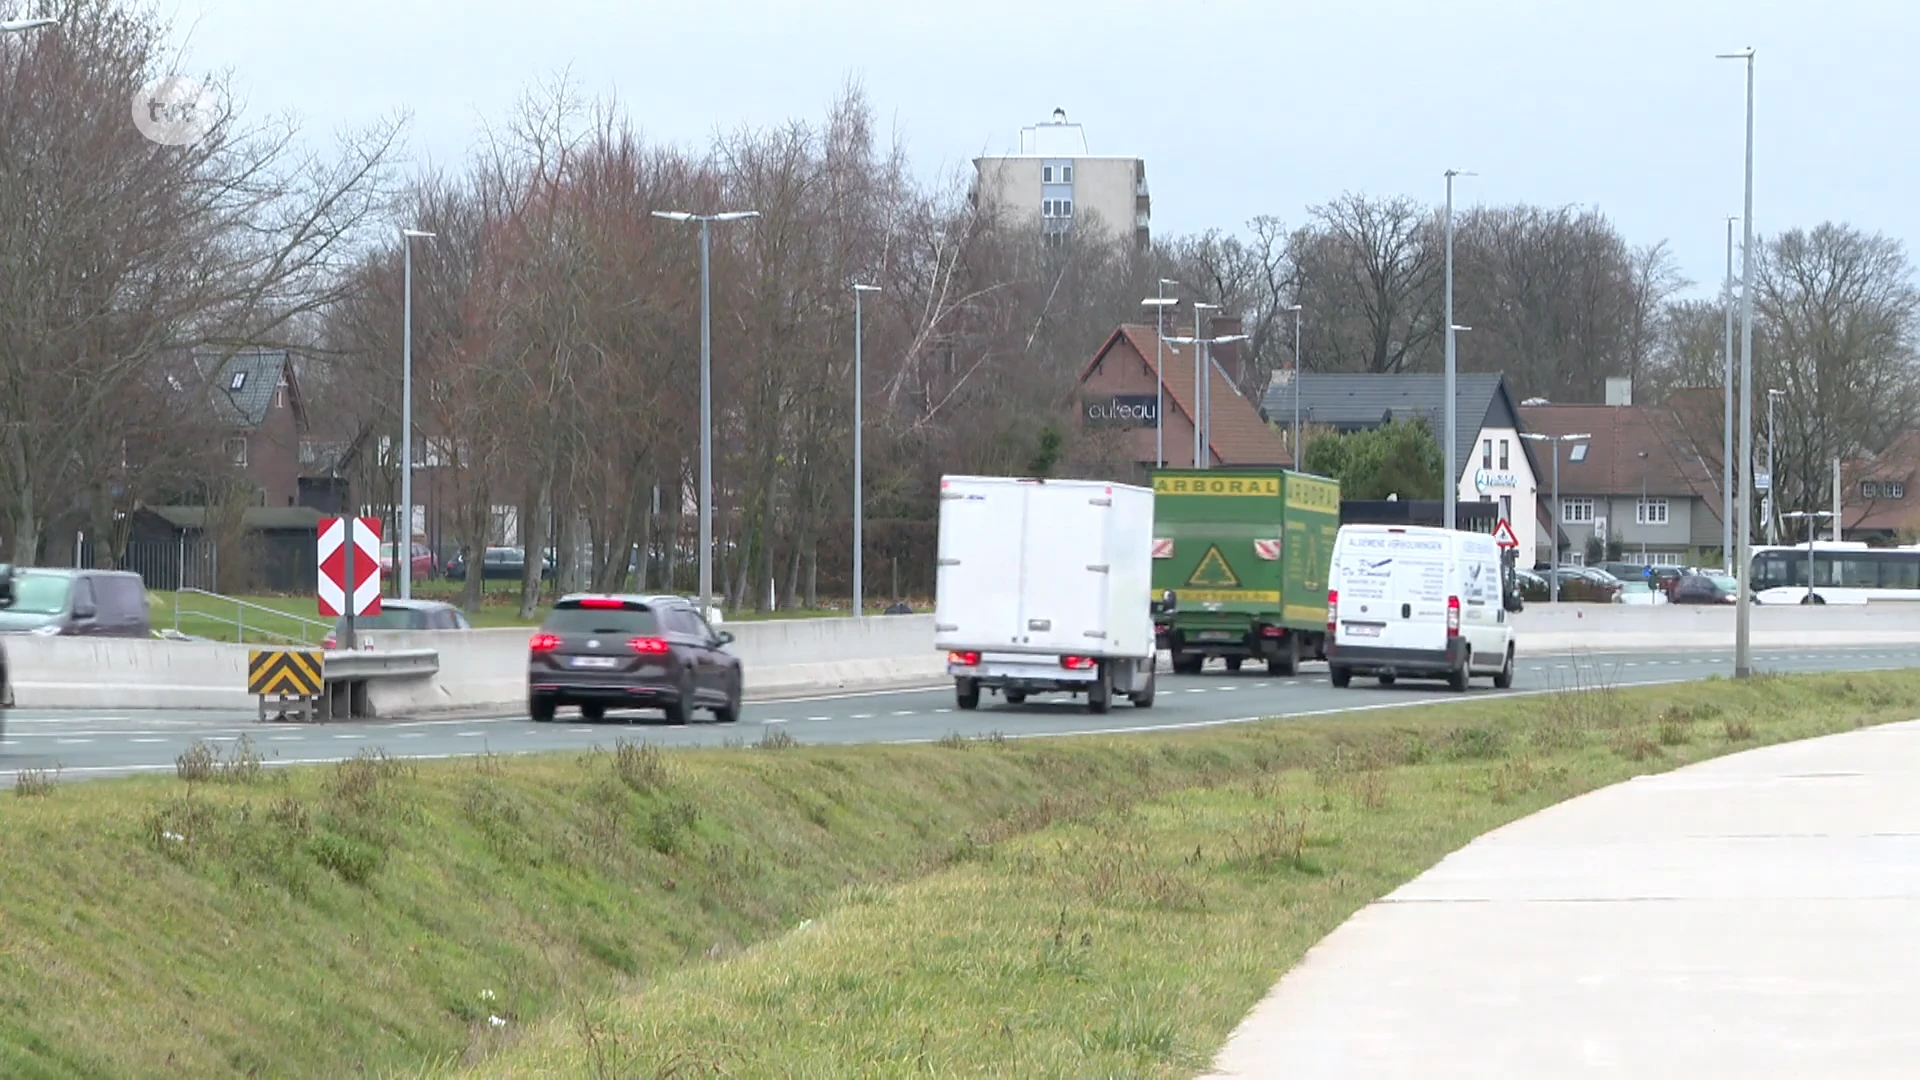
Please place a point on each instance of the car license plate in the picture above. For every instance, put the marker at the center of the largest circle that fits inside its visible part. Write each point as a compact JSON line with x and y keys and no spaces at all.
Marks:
{"x":1363,"y":630}
{"x":594,"y":661}
{"x":1217,"y":635}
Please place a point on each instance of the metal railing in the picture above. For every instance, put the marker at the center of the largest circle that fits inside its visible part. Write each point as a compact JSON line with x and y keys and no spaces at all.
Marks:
{"x":306,"y":630}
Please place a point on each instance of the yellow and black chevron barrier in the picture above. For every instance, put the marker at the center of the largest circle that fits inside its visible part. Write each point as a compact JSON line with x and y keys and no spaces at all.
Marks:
{"x":284,"y":674}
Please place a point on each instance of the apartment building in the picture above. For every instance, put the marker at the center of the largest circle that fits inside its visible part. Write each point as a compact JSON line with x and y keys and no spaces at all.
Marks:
{"x":1057,"y":185}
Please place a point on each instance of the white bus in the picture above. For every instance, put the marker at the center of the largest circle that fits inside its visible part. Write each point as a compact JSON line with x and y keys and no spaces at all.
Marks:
{"x":1844,"y":572}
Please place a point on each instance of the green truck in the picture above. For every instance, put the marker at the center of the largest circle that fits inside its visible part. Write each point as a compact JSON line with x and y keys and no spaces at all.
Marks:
{"x":1240,"y":563}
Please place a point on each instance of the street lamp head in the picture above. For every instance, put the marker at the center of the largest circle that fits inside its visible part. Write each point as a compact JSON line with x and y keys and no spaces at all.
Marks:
{"x":1161,"y":301}
{"x":14,"y":26}
{"x":1457,"y":326}
{"x":1202,"y":305}
{"x":858,"y":287}
{"x":1169,"y":281}
{"x":1776,"y":393}
{"x":1230,"y":339}
{"x":1743,"y":54}
{"x":1180,"y":340}
{"x":1451,"y":173}
{"x":735,"y":215}
{"x":411,"y":233}
{"x":673,"y":215}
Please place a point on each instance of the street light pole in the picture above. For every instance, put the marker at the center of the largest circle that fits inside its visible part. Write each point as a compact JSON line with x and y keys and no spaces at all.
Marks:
{"x":1811,"y":516}
{"x":1773,"y":487}
{"x":1159,"y":304}
{"x":1743,"y":617}
{"x":859,"y":502}
{"x":1202,"y":438}
{"x":1451,"y":493}
{"x":1559,"y":510}
{"x":706,"y":392}
{"x":1200,"y":345}
{"x":1297,"y":385}
{"x":1645,"y":511}
{"x":1726,"y":428}
{"x":404,"y":569}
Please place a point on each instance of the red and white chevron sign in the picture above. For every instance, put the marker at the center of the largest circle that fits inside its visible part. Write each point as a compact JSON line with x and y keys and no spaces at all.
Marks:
{"x":1267,"y":549}
{"x":1162,"y":549}
{"x":333,"y":566}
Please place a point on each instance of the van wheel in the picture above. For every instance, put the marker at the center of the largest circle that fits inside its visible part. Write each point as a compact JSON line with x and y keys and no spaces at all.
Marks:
{"x":1457,"y":678}
{"x":1503,"y":679}
{"x":1340,"y":676}
{"x":966,"y":694}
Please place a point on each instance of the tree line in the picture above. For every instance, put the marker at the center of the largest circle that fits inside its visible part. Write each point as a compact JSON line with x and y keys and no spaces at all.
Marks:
{"x":556,"y":323}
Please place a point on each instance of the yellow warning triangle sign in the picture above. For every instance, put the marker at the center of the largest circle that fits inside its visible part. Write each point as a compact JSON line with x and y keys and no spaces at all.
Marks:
{"x":1213,"y":571}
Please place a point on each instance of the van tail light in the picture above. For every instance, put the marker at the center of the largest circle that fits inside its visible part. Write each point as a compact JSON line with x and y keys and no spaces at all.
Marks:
{"x":1333,"y":609}
{"x":964,"y":659}
{"x":543,"y":643}
{"x":1453,"y":616}
{"x":1076,"y":663}
{"x":648,"y":646}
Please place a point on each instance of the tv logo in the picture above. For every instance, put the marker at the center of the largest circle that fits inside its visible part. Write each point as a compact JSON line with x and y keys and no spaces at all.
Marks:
{"x":176,"y":111}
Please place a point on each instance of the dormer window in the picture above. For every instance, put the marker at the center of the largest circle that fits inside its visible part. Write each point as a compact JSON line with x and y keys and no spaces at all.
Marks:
{"x":239,"y":380}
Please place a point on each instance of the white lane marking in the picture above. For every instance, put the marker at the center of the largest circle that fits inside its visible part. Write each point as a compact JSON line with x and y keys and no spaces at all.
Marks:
{"x":773,"y":721}
{"x":147,"y":740}
{"x":575,"y":730}
{"x":819,"y":718}
{"x":861,"y":716}
{"x":1196,"y":689}
{"x":70,"y":742}
{"x":287,"y":738}
{"x":349,"y":736}
{"x":905,"y":712}
{"x":414,"y":735}
{"x":464,"y":734}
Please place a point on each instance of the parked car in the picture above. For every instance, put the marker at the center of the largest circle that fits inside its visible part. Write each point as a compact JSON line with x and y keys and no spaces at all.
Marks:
{"x":1586,"y":584}
{"x":622,"y":652}
{"x":77,"y":603}
{"x":424,"y":564}
{"x":498,"y":564}
{"x":1707,"y":589}
{"x":402,"y":615}
{"x":1662,"y":578}
{"x":1532,"y":586}
{"x":1641,"y":593}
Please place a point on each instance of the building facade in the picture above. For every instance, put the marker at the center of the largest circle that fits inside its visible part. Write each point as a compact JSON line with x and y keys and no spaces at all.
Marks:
{"x":1053,"y":182}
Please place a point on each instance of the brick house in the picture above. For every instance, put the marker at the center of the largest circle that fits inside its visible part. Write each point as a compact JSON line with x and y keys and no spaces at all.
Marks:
{"x":1119,"y":391}
{"x":256,"y":397}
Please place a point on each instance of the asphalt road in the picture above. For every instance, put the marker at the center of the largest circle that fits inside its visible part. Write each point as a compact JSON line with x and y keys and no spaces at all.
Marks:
{"x":92,"y":743}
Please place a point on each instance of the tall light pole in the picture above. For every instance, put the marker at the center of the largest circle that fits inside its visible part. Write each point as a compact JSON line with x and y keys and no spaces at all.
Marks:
{"x":1202,"y":439}
{"x":1553,"y":542}
{"x":1449,"y":516}
{"x":1200,"y":346}
{"x":1297,"y":387}
{"x":1644,"y":513}
{"x":1773,"y":486}
{"x":859,"y":502}
{"x":1726,"y":427}
{"x":403,"y":567}
{"x":706,"y":392}
{"x":1159,"y":304}
{"x":1743,"y":618}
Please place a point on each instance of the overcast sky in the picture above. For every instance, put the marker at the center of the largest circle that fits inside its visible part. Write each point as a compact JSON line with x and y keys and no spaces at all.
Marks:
{"x":1240,"y":107}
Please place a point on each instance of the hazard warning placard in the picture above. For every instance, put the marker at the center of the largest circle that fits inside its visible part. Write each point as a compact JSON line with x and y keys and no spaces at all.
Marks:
{"x":1213,"y":572}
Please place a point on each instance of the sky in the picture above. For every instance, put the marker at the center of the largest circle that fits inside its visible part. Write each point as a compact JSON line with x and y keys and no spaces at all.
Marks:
{"x":1239,"y":107}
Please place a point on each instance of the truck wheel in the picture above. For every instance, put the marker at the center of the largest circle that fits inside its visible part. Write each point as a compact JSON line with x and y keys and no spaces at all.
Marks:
{"x":1288,"y":662}
{"x":1340,"y":676}
{"x":966,"y":694}
{"x":1188,"y":663}
{"x":1233,"y":663}
{"x":1143,"y":699}
{"x":1100,"y":694}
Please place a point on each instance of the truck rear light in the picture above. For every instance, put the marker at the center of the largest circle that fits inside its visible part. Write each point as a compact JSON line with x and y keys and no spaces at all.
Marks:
{"x":1333,"y":609}
{"x":1453,"y":616}
{"x":543,"y":643}
{"x":1076,"y":663}
{"x":964,"y":659}
{"x":648,"y":646}
{"x":1271,"y":631}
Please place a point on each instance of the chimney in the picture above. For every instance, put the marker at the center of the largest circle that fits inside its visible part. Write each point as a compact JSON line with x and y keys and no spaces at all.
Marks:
{"x":1619,"y":390}
{"x":1228,"y":354}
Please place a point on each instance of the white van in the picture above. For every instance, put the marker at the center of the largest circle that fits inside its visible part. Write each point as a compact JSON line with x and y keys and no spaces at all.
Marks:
{"x":1417,"y":601}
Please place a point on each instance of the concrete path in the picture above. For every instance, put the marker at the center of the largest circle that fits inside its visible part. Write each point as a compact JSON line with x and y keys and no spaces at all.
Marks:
{"x":1753,"y":916}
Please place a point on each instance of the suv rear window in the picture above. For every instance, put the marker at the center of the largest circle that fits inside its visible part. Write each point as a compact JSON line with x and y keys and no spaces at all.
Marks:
{"x":598,"y":620}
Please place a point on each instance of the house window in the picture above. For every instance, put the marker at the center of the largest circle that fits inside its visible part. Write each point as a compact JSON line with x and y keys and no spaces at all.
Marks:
{"x":1576,"y":557}
{"x":1066,"y":174}
{"x":309,"y":453}
{"x":1506,"y":508}
{"x":280,"y":397}
{"x":1486,"y":453}
{"x":1065,"y":207}
{"x":1578,"y":453}
{"x":1576,"y":511}
{"x":237,"y":451}
{"x":1046,"y":208}
{"x":1046,"y":174}
{"x":1882,"y":489}
{"x":239,"y":380}
{"x":1664,"y":558}
{"x":1505,"y":461}
{"x":1650,"y":512}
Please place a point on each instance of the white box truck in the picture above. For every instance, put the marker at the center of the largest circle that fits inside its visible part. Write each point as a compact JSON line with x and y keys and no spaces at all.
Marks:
{"x":1045,"y":586}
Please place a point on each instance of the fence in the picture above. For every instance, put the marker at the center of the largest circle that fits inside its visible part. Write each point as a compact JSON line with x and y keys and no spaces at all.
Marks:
{"x":189,"y":563}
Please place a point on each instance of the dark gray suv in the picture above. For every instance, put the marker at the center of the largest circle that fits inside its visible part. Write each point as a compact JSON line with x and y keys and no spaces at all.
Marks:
{"x":631,"y":652}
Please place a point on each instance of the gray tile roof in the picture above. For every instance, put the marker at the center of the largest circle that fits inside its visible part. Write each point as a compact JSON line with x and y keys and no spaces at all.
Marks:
{"x":1351,"y":401}
{"x":242,"y":385}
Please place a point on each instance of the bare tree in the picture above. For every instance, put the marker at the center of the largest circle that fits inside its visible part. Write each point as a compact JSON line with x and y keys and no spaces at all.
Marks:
{"x":1370,"y":271}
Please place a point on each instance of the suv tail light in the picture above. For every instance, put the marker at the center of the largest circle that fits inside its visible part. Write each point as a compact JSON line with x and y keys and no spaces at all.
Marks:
{"x":1453,"y":616}
{"x":964,"y":659}
{"x":648,"y":646}
{"x":602,"y":602}
{"x":1076,"y":663}
{"x":543,"y":643}
{"x":1333,"y":609}
{"x":329,"y":642}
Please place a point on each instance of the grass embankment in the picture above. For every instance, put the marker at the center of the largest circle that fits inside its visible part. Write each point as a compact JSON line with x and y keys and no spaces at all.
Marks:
{"x":1070,"y":907}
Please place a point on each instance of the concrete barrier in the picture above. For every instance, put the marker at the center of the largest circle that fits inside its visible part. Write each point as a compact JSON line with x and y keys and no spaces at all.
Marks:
{"x":486,"y":669}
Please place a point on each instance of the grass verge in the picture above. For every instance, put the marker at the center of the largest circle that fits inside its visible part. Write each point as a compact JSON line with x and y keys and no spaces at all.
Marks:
{"x":992,"y":907}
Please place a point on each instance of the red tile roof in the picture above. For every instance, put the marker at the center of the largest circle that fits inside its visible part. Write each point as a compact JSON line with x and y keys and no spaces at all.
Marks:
{"x":1239,"y":437}
{"x":1631,"y":448}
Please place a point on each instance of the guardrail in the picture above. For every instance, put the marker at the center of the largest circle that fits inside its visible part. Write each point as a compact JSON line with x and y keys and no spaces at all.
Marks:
{"x":352,"y":676}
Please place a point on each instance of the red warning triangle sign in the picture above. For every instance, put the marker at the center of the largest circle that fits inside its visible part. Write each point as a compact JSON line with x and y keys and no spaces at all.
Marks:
{"x":1503,"y":535}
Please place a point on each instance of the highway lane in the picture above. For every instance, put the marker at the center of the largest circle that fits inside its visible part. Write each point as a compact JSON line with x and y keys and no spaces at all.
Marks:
{"x":82,"y":744}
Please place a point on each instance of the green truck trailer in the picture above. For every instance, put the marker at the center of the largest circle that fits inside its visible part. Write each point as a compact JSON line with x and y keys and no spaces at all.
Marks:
{"x":1240,"y":562}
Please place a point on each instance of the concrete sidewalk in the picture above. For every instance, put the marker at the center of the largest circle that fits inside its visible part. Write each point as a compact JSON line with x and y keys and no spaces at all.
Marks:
{"x":1753,"y":916}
